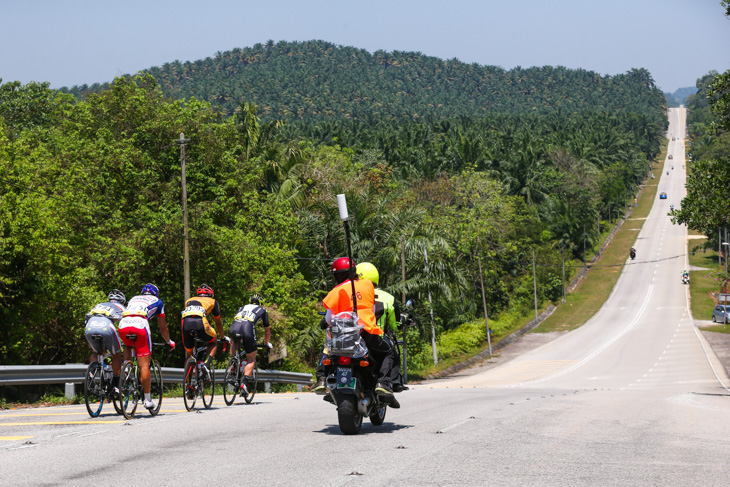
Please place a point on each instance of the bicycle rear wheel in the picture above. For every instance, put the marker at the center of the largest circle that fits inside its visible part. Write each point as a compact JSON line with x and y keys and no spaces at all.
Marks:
{"x":230,"y":384}
{"x":117,"y":401}
{"x":251,"y":386}
{"x":93,"y":389}
{"x":208,"y":387}
{"x":155,"y":386}
{"x":128,"y":390}
{"x":190,"y":383}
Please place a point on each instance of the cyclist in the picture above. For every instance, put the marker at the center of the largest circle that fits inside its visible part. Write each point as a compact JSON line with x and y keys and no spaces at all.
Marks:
{"x":101,"y":320}
{"x":195,"y":318}
{"x":387,"y":312}
{"x":244,"y":324}
{"x":338,"y":300}
{"x":135,"y":319}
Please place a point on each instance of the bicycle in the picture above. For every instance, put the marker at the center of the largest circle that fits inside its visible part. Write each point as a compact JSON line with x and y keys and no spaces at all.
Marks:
{"x":234,"y":373}
{"x":199,"y":380}
{"x":130,"y":384}
{"x":98,"y":383}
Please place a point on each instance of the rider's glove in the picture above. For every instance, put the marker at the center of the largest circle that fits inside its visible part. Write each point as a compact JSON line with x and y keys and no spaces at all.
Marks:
{"x":268,"y":344}
{"x":171,"y":344}
{"x":227,"y":339}
{"x":323,"y":324}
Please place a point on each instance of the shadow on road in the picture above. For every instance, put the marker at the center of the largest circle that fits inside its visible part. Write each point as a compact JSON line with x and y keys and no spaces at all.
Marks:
{"x":367,"y":428}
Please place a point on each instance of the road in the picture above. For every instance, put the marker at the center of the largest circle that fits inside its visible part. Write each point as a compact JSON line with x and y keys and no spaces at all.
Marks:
{"x":634,"y":397}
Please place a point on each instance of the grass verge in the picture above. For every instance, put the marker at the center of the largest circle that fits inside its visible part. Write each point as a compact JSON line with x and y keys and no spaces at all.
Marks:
{"x":704,"y":281}
{"x":593,"y":291}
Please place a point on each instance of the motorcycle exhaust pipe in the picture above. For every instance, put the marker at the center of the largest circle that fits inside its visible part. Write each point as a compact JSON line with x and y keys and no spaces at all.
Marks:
{"x":363,"y":406}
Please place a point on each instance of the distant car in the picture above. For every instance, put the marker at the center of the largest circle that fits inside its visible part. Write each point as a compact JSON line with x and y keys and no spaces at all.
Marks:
{"x":721,"y":314}
{"x":662,"y":196}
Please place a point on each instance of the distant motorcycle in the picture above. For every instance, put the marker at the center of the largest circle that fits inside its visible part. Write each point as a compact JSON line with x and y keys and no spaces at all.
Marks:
{"x":632,"y":253}
{"x":685,"y":279}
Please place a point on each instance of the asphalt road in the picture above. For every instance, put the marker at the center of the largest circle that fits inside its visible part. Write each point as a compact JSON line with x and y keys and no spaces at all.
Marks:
{"x":634,"y":397}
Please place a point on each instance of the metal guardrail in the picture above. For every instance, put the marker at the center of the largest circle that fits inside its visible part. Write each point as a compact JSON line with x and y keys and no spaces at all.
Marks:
{"x":69,"y":374}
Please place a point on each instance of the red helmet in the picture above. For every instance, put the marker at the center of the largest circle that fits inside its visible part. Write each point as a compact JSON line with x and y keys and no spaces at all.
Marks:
{"x":341,"y":269}
{"x":205,"y":290}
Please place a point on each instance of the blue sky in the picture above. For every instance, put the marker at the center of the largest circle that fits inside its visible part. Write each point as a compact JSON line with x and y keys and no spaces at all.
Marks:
{"x":83,"y":41}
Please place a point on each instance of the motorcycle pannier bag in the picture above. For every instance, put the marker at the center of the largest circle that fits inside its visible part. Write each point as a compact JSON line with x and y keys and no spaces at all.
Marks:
{"x":343,"y":335}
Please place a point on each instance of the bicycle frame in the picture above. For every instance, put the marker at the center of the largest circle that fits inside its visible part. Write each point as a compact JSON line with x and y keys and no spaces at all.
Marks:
{"x":130,"y":383}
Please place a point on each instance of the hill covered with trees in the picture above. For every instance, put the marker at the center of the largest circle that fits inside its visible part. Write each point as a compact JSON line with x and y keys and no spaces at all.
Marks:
{"x":318,"y":80}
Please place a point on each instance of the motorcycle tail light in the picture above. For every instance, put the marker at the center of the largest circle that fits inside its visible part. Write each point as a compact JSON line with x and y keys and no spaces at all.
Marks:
{"x":344,"y":360}
{"x":364,"y":363}
{"x":327,"y":361}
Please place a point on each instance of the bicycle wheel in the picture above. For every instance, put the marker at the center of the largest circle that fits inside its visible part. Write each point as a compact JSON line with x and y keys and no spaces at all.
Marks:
{"x":128,"y":392}
{"x":251,"y":386}
{"x":117,"y":401}
{"x":94,"y":389}
{"x":155,"y":386}
{"x":230,"y":384}
{"x":208,"y":387}
{"x":190,"y":383}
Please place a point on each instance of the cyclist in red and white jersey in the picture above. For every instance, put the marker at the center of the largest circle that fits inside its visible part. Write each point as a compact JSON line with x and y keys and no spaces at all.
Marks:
{"x":135,"y":320}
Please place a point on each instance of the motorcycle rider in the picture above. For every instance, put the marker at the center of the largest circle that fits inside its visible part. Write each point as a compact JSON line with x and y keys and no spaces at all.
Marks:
{"x":339,"y":300}
{"x":685,"y":275}
{"x":387,"y":313}
{"x":632,"y":252}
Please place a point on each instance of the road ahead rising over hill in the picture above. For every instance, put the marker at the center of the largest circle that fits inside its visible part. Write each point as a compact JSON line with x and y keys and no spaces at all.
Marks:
{"x":634,"y":397}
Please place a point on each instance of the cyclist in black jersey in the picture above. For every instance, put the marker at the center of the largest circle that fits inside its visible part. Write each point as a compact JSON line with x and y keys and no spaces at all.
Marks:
{"x":244,"y":324}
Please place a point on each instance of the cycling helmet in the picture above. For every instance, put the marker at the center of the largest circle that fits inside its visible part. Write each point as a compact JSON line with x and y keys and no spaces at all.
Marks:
{"x":118,"y":296}
{"x":256,"y":298}
{"x":365,"y":270}
{"x":150,"y":288}
{"x":205,"y":290}
{"x":341,"y":269}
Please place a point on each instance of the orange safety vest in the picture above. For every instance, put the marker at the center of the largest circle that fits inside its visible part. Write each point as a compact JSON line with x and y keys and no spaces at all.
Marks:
{"x":340,"y":299}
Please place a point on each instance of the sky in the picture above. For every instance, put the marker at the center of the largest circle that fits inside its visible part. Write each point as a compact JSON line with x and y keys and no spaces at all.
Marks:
{"x":83,"y":41}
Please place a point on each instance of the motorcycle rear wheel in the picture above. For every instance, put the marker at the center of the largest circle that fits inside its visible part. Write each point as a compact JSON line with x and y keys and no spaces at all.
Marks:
{"x":378,"y":416}
{"x":348,"y":416}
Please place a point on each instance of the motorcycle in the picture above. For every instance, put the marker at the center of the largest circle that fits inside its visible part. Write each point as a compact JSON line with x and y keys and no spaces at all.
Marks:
{"x":352,"y":375}
{"x":685,"y":279}
{"x":632,"y":253}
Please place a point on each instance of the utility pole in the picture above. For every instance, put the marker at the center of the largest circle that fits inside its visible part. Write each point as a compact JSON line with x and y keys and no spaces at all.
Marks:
{"x":186,"y":248}
{"x":484,"y":303}
{"x":403,"y":266}
{"x":585,"y":263}
{"x":433,"y":325}
{"x":562,"y":256}
{"x":405,"y":329}
{"x":534,"y":281}
{"x":598,"y":225}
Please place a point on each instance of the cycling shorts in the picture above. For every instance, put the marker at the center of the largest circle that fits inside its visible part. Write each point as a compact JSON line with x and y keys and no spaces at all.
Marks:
{"x":98,"y":325}
{"x":138,"y":326}
{"x":200,"y":326}
{"x":245,"y":330}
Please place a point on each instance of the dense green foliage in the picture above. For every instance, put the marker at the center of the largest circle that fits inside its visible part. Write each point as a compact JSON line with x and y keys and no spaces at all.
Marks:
{"x":323,"y":81}
{"x":706,"y":208}
{"x":90,"y":189}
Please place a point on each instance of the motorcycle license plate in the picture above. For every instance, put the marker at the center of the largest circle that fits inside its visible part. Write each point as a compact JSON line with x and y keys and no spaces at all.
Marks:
{"x":345,"y":378}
